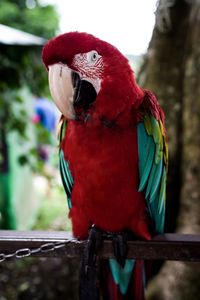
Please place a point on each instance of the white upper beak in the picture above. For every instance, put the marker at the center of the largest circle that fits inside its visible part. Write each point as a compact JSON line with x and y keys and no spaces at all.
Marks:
{"x":61,"y":88}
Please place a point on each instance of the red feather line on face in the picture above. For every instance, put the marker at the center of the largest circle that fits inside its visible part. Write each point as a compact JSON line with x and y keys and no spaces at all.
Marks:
{"x":80,"y":63}
{"x":65,"y":47}
{"x":117,"y":78}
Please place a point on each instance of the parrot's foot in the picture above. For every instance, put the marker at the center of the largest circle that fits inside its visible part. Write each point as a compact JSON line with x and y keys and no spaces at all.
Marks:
{"x":93,"y":245}
{"x":120,"y":247}
{"x":89,"y":288}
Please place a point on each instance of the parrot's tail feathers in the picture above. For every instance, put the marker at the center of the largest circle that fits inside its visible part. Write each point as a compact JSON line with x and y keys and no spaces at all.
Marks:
{"x":139,"y":281}
{"x":126,"y":283}
{"x":121,"y":275}
{"x":110,"y":290}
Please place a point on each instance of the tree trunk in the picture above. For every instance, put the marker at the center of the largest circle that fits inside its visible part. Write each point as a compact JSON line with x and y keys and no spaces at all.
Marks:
{"x":163,"y":73}
{"x":172,"y":70}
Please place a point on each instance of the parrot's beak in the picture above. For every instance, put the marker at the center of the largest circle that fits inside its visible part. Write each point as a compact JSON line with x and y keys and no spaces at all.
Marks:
{"x":61,"y":88}
{"x":72,"y":95}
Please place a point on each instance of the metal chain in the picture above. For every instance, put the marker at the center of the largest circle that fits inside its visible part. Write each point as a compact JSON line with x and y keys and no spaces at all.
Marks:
{"x":25,"y":252}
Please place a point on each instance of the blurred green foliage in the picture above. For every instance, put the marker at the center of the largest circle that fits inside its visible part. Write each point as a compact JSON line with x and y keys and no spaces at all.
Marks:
{"x":30,"y":16}
{"x":21,"y":66}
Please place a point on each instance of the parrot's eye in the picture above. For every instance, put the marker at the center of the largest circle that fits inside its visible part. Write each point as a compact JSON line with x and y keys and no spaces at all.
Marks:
{"x":93,"y":56}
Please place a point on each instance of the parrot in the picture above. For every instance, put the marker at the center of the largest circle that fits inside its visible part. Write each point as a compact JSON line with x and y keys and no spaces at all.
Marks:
{"x":113,"y":152}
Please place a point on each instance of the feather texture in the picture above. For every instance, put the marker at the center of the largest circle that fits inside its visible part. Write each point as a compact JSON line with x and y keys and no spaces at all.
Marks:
{"x":66,"y":177}
{"x":121,"y":275}
{"x":152,"y":167}
{"x":148,"y":161}
{"x":99,"y":149}
{"x":65,"y":173}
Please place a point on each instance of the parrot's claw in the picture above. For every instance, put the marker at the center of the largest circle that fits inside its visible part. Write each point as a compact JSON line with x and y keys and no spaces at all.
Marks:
{"x":120,"y":247}
{"x":89,"y":289}
{"x":93,"y":245}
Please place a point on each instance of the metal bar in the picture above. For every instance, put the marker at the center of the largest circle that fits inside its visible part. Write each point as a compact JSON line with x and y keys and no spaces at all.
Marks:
{"x":184,"y":247}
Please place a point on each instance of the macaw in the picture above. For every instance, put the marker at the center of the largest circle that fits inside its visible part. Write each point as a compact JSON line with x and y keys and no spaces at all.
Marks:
{"x":113,"y":150}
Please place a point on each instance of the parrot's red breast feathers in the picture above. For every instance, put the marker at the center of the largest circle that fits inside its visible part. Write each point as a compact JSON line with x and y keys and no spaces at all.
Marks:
{"x":113,"y":150}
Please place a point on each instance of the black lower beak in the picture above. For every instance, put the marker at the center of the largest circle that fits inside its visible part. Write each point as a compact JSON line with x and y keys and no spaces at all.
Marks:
{"x":84,"y":92}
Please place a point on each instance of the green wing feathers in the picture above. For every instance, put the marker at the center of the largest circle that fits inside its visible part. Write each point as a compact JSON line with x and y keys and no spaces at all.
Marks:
{"x":153,"y":157}
{"x":65,"y":173}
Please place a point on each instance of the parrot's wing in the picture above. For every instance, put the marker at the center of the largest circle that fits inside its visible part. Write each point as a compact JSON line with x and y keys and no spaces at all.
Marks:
{"x":153,"y":157}
{"x":66,"y":175}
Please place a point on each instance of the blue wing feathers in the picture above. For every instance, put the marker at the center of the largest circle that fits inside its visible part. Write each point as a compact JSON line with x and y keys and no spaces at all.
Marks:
{"x":65,"y":173}
{"x":143,"y":144}
{"x":161,"y":203}
{"x":152,"y":168}
{"x":69,"y":176}
{"x":156,"y":179}
{"x":150,"y":181}
{"x":147,"y":165}
{"x":66,"y":177}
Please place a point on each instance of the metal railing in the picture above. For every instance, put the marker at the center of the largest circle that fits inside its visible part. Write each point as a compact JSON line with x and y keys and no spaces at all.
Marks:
{"x":19,"y":244}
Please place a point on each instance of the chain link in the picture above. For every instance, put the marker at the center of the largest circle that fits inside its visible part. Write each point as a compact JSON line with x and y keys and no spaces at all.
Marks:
{"x":25,"y":252}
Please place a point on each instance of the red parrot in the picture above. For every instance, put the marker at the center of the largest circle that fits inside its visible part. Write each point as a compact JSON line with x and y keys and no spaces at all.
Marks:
{"x":113,"y":151}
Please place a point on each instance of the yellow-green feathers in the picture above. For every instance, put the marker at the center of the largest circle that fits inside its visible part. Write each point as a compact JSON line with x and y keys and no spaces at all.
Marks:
{"x":62,"y":126}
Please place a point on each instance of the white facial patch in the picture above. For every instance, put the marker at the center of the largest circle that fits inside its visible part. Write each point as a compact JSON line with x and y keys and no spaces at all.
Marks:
{"x":89,"y":65}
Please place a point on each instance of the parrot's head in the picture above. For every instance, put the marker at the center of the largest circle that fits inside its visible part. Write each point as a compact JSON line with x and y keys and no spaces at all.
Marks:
{"x":89,"y":78}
